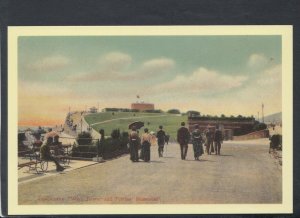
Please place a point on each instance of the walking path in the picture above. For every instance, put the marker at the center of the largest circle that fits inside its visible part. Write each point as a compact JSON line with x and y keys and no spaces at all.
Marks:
{"x":25,"y":176}
{"x":243,"y":173}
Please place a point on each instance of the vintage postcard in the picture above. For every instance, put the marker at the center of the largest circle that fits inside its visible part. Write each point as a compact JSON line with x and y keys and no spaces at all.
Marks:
{"x":150,"y":120}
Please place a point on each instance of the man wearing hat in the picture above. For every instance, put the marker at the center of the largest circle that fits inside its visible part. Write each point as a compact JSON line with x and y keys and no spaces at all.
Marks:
{"x":209,"y":140}
{"x":46,"y":154}
{"x":183,"y":137}
{"x":218,"y":138}
{"x":134,"y":142}
{"x":161,"y":136}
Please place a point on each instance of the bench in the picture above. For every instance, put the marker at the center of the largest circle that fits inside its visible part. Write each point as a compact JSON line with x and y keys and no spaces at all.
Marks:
{"x":31,"y":156}
{"x":37,"y":165}
{"x":32,"y":165}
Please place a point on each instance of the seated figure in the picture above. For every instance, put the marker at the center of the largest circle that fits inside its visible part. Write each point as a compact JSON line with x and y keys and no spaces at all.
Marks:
{"x":58,"y":150}
{"x":46,"y":155}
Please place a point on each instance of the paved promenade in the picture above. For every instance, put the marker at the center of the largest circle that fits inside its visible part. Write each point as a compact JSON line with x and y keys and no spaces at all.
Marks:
{"x":243,"y":173}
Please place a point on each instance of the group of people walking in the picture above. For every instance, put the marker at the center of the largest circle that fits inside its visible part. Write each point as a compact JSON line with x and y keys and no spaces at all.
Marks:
{"x":211,"y":139}
{"x":145,"y":142}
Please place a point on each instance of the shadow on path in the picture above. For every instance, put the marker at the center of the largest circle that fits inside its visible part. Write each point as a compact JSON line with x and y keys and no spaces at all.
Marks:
{"x":226,"y":155}
{"x":156,"y":161}
{"x":201,"y":160}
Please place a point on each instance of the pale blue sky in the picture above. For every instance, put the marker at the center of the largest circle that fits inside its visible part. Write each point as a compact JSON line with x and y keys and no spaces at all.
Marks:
{"x":184,"y":72}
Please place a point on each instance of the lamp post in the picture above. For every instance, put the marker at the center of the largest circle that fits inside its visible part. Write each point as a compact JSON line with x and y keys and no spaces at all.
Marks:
{"x":262,"y":110}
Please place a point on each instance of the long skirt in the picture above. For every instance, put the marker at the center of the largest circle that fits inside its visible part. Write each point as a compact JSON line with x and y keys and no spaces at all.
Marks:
{"x":198,"y":149}
{"x":142,"y":152}
{"x":134,"y":152}
{"x":146,"y":152}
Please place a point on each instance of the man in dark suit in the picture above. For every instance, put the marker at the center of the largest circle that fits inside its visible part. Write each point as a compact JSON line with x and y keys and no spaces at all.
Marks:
{"x":209,"y":140}
{"x":218,"y":138}
{"x":183,"y":137}
{"x":134,"y":142}
{"x":161,"y":136}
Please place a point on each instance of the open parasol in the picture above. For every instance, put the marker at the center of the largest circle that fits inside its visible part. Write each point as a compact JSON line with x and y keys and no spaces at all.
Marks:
{"x":137,"y":124}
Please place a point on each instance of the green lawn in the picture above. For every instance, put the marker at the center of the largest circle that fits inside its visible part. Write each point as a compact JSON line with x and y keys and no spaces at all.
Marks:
{"x":171,"y":123}
{"x":99,"y":117}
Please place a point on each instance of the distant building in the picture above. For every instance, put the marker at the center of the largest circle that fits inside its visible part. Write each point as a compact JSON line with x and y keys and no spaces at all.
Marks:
{"x":93,"y":110}
{"x":229,"y":126}
{"x":142,"y":106}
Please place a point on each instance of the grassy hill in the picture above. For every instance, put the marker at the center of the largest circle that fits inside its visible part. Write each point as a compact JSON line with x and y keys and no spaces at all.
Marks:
{"x":121,"y":120}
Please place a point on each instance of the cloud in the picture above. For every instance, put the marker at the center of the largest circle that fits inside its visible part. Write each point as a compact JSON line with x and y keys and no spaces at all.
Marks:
{"x":113,"y":68}
{"x":38,"y":89}
{"x":101,"y":76}
{"x":271,"y":76}
{"x":155,"y":66}
{"x":257,"y":60}
{"x":114,"y":61}
{"x":202,"y":81}
{"x":50,"y":63}
{"x":266,"y":88}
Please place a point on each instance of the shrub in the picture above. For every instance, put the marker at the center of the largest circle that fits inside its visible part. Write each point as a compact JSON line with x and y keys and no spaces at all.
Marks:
{"x":86,"y":151}
{"x":276,"y":142}
{"x":153,"y":111}
{"x":125,"y":135}
{"x":84,"y":138}
{"x":259,"y":126}
{"x":173,"y":111}
{"x":115,"y":134}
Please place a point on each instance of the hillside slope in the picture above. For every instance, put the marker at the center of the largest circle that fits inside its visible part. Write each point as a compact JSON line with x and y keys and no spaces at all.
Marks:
{"x":121,"y":120}
{"x":277,"y":118}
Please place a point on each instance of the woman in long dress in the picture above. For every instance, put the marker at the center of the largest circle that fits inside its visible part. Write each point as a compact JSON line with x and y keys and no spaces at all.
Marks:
{"x":146,"y":142}
{"x":197,"y":142}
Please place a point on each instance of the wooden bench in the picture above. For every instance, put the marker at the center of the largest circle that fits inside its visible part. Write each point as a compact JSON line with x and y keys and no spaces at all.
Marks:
{"x":37,"y":165}
{"x":32,"y":165}
{"x":32,"y":156}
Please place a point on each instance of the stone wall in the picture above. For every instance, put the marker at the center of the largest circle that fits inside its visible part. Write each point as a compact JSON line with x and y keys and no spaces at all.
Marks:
{"x":253,"y":135}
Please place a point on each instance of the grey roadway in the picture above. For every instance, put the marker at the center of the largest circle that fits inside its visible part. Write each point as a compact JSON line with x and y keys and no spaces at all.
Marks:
{"x":243,"y":173}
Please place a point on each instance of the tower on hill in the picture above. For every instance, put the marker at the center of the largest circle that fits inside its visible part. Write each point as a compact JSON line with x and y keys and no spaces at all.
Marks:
{"x":141,"y":106}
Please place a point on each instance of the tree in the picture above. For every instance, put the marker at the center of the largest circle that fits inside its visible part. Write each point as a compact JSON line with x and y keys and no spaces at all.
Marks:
{"x":192,"y":113}
{"x":173,"y":111}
